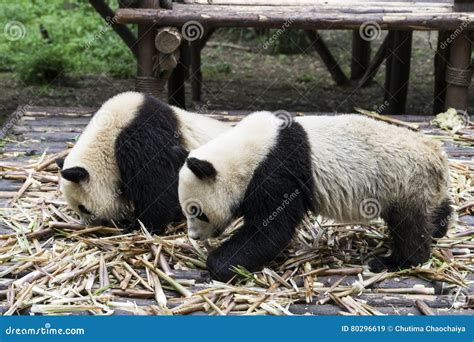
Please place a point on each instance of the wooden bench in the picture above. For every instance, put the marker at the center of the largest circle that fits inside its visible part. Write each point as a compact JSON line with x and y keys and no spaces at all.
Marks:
{"x":454,"y":19}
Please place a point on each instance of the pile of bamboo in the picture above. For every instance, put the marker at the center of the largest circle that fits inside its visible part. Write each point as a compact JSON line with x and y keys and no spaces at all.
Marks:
{"x":51,"y":264}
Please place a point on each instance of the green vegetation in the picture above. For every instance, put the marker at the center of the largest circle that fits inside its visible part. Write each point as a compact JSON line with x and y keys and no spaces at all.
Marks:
{"x":80,"y":41}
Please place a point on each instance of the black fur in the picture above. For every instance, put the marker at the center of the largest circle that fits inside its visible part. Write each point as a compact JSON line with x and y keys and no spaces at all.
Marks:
{"x":75,"y":174}
{"x":149,"y":154}
{"x":410,"y":229}
{"x":201,"y":168}
{"x":286,"y":171}
{"x":441,"y":218}
{"x":60,"y":163}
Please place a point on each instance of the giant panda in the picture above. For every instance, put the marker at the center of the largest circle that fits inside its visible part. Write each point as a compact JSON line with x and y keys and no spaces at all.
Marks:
{"x":351,"y":168}
{"x":125,"y":164}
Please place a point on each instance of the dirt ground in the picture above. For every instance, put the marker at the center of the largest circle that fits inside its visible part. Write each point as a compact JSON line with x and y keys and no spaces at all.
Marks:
{"x":252,"y":80}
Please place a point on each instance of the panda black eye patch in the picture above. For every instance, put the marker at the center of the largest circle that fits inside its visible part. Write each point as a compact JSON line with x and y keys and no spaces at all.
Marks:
{"x":203,"y":217}
{"x":84,"y":210}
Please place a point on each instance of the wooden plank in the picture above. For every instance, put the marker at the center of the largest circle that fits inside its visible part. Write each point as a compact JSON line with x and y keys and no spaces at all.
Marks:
{"x":388,"y":3}
{"x":60,"y":111}
{"x":301,"y":17}
{"x":331,"y":310}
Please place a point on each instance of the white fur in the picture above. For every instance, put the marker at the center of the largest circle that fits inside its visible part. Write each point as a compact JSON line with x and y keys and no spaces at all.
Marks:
{"x":354,"y":158}
{"x":235,"y":155}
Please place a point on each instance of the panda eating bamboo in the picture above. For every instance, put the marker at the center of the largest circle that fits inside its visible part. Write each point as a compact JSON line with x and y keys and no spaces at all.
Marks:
{"x":125,"y":164}
{"x":339,"y":167}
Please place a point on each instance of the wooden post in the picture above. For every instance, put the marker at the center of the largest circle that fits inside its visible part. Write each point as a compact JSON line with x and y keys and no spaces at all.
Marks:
{"x":176,"y":88}
{"x":195,"y":74}
{"x":440,"y":63}
{"x":398,"y":72}
{"x":360,"y":55}
{"x":458,"y":72}
{"x":146,"y":81}
{"x":328,"y":59}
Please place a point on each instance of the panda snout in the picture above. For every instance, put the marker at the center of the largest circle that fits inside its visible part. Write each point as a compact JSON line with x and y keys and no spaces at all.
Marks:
{"x":193,"y":234}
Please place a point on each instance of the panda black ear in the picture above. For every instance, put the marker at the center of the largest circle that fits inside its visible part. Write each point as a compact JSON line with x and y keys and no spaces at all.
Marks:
{"x":60,"y":163}
{"x":75,"y":174}
{"x":201,"y":168}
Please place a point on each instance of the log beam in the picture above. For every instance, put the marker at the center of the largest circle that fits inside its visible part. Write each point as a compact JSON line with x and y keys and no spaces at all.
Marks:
{"x":303,"y":17}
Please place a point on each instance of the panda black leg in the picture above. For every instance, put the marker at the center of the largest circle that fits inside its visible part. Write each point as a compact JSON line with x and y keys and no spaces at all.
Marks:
{"x":251,"y":247}
{"x":410,"y":230}
{"x":442,"y":218}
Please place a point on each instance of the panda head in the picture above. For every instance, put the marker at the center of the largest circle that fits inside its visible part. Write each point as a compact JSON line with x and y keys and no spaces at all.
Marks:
{"x":89,"y":194}
{"x":205,"y":198}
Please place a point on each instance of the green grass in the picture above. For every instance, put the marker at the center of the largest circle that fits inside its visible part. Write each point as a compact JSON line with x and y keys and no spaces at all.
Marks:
{"x":81,"y":42}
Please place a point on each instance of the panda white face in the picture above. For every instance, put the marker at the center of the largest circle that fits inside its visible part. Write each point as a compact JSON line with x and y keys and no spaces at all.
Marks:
{"x":203,"y":199}
{"x":95,"y":203}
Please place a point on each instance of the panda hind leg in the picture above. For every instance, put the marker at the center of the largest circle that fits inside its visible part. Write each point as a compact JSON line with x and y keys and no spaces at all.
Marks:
{"x":410,"y":229}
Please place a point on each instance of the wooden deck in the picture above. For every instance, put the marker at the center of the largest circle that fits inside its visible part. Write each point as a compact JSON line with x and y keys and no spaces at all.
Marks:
{"x":31,"y":131}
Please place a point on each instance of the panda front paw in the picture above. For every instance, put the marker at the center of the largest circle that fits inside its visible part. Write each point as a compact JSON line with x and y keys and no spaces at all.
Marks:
{"x":219,"y":268}
{"x":379,"y":264}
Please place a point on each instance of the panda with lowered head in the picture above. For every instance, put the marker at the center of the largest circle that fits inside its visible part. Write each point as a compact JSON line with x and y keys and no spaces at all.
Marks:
{"x":328,"y":165}
{"x":126,"y":162}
